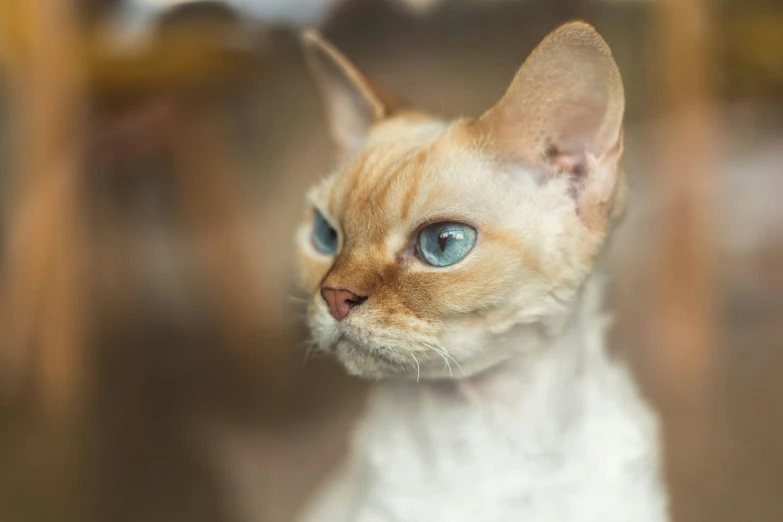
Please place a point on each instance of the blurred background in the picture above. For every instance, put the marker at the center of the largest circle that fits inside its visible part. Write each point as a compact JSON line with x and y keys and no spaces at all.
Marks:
{"x":153,"y":160}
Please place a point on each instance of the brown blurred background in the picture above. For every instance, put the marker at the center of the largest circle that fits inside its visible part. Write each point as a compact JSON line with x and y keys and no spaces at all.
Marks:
{"x":153,"y":161}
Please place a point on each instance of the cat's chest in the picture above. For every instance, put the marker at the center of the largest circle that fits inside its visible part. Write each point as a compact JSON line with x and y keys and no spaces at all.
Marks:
{"x":431,"y":458}
{"x":445,"y":446}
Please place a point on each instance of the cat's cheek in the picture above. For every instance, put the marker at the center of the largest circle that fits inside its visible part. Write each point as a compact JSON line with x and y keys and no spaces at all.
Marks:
{"x":311,"y":272}
{"x":480,"y":282}
{"x":311,"y":266}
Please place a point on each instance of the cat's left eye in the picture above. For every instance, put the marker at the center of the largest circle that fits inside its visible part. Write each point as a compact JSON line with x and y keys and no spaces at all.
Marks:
{"x":443,"y":244}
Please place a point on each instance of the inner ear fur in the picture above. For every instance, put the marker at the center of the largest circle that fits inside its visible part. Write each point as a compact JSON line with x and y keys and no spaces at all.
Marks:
{"x":353,"y":101}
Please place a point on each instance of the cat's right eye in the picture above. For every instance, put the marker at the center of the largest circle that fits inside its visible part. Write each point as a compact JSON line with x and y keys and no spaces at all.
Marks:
{"x":325,"y":239}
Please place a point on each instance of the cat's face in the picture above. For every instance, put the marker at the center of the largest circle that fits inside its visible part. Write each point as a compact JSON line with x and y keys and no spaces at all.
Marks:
{"x":439,"y":249}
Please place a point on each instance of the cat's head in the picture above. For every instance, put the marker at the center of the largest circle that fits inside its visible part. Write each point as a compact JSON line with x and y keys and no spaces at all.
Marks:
{"x":441,"y":248}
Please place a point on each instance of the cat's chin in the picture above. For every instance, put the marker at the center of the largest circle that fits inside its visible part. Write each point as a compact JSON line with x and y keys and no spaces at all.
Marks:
{"x":372,"y":363}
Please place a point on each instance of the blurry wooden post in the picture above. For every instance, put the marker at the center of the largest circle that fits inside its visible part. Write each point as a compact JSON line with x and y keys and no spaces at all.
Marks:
{"x":684,"y":319}
{"x":42,"y":293}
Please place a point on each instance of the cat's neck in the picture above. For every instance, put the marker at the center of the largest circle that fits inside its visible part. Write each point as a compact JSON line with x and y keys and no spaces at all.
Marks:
{"x":544,"y":387}
{"x":564,"y":388}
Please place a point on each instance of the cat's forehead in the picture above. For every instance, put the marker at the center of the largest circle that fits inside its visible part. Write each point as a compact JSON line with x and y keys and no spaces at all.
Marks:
{"x":393,"y":151}
{"x":407,"y":173}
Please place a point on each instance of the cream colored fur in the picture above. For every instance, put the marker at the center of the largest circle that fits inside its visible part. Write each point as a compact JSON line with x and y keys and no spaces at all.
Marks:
{"x":497,"y":399}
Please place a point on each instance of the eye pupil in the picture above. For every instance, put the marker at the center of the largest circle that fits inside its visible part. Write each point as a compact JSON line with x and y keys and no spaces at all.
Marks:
{"x":442,"y":239}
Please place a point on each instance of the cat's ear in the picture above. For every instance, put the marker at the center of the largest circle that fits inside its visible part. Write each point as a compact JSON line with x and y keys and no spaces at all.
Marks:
{"x":563,"y":114}
{"x":353,"y":103}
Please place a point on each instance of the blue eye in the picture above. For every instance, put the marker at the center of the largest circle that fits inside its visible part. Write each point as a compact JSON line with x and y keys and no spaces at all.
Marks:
{"x":325,"y":238}
{"x":443,"y":244}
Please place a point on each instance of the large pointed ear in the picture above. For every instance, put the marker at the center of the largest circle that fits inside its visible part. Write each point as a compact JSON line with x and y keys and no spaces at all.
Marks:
{"x":353,"y":103}
{"x":563,"y":114}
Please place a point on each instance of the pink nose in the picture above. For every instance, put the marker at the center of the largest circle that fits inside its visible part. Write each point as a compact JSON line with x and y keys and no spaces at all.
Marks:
{"x":341,"y":301}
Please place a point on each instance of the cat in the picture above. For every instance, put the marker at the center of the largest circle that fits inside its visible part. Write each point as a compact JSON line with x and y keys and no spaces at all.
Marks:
{"x":457,"y":263}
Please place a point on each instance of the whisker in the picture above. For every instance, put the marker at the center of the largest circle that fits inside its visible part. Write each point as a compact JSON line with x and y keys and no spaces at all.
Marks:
{"x":310,"y":350}
{"x":544,"y":154}
{"x":442,"y":349}
{"x":305,"y":344}
{"x":418,"y":369}
{"x":455,"y":361}
{"x":439,"y":352}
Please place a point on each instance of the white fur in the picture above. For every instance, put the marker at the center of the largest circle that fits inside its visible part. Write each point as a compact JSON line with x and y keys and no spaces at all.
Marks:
{"x":554,"y":434}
